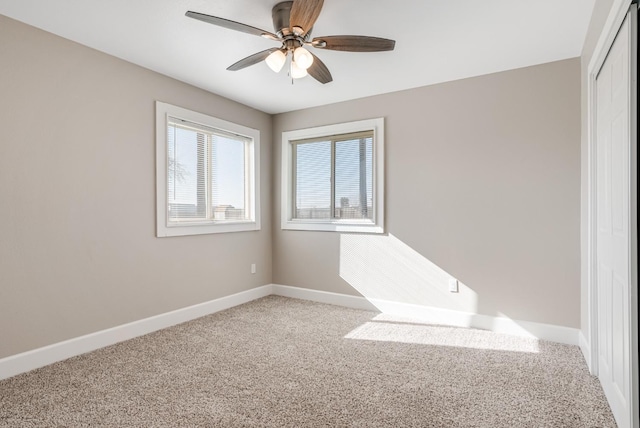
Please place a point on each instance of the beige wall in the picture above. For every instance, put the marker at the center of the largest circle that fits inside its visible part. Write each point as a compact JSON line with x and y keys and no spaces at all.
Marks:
{"x":482,"y":183}
{"x":598,"y":18}
{"x":483,"y":179}
{"x":78,"y":251}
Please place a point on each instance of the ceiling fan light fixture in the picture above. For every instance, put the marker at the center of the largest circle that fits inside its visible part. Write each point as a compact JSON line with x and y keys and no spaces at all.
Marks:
{"x":293,"y":22}
{"x":276,"y":60}
{"x":297,"y":72}
{"x":302,"y":57}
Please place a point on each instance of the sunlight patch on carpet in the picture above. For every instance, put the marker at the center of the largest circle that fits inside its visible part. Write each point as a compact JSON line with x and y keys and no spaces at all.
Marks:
{"x":422,"y":334}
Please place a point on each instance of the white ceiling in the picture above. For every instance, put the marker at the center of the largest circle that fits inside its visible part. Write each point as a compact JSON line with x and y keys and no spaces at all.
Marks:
{"x":436,"y":41}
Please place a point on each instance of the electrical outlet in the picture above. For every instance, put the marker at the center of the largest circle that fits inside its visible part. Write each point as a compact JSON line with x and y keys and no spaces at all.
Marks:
{"x":453,"y":285}
{"x":253,"y":268}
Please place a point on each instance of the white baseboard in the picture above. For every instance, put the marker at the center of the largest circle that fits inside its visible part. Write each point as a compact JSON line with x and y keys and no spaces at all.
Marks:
{"x":355,"y":302}
{"x":433,"y":315}
{"x":30,"y":360}
{"x":585,"y":347}
{"x":26,"y":361}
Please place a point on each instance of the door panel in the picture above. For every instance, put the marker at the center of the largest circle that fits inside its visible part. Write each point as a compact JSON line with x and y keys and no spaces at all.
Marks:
{"x":613,"y":89}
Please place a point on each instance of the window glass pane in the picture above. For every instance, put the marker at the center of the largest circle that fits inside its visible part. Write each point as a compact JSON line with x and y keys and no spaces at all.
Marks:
{"x":185,"y":174}
{"x":228,"y":171}
{"x":354,"y":179}
{"x":333,"y":178}
{"x":206,"y":174}
{"x":313,"y":180}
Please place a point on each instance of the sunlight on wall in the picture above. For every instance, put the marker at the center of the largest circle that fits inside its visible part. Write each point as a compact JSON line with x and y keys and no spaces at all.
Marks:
{"x":381,"y":267}
{"x":386,"y":329}
{"x":399,"y":281}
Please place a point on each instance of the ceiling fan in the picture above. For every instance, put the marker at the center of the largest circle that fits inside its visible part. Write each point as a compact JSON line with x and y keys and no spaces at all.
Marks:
{"x":293,"y":22}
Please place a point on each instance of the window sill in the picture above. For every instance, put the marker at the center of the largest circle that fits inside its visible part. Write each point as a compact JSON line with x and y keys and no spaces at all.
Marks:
{"x":185,"y":229}
{"x":334,"y":226}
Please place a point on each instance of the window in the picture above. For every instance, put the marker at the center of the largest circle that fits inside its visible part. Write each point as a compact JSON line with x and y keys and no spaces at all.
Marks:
{"x":332,"y":178}
{"x":206,"y":174}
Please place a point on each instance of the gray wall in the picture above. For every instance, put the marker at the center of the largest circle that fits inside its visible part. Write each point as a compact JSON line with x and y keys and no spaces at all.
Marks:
{"x":483,"y":179}
{"x":78,"y":251}
{"x":482,"y":183}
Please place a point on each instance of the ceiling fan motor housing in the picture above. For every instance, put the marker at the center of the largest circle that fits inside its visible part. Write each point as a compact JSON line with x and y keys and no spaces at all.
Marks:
{"x":280,"y":14}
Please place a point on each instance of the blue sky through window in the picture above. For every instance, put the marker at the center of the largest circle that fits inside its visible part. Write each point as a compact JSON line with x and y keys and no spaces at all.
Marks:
{"x":227,"y":163}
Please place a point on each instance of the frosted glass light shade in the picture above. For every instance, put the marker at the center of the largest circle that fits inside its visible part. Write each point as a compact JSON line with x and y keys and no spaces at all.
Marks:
{"x":302,"y":57}
{"x":296,"y":71}
{"x":276,"y":60}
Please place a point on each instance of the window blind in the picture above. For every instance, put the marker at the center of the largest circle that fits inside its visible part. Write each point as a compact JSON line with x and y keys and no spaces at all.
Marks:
{"x":354,"y":179}
{"x":206,"y":173}
{"x":333,"y":177}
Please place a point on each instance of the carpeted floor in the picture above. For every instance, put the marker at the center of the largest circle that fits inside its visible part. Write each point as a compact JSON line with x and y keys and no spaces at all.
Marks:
{"x":284,"y":362}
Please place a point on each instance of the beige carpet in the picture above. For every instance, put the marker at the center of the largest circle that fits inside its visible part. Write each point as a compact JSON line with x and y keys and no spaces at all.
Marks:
{"x":284,"y":362}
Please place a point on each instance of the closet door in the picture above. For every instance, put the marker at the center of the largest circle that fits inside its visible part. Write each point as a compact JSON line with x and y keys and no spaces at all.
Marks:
{"x":613,"y":224}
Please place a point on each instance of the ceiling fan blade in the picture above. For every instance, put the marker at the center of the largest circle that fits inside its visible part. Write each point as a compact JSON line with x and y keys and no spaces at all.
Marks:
{"x":304,"y":14}
{"x":251,"y":60}
{"x":319,"y":71}
{"x":232,"y":25}
{"x":354,"y":43}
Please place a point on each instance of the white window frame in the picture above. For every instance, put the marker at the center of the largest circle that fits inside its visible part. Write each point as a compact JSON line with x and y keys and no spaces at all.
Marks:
{"x":376,"y":225}
{"x":164,"y":228}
